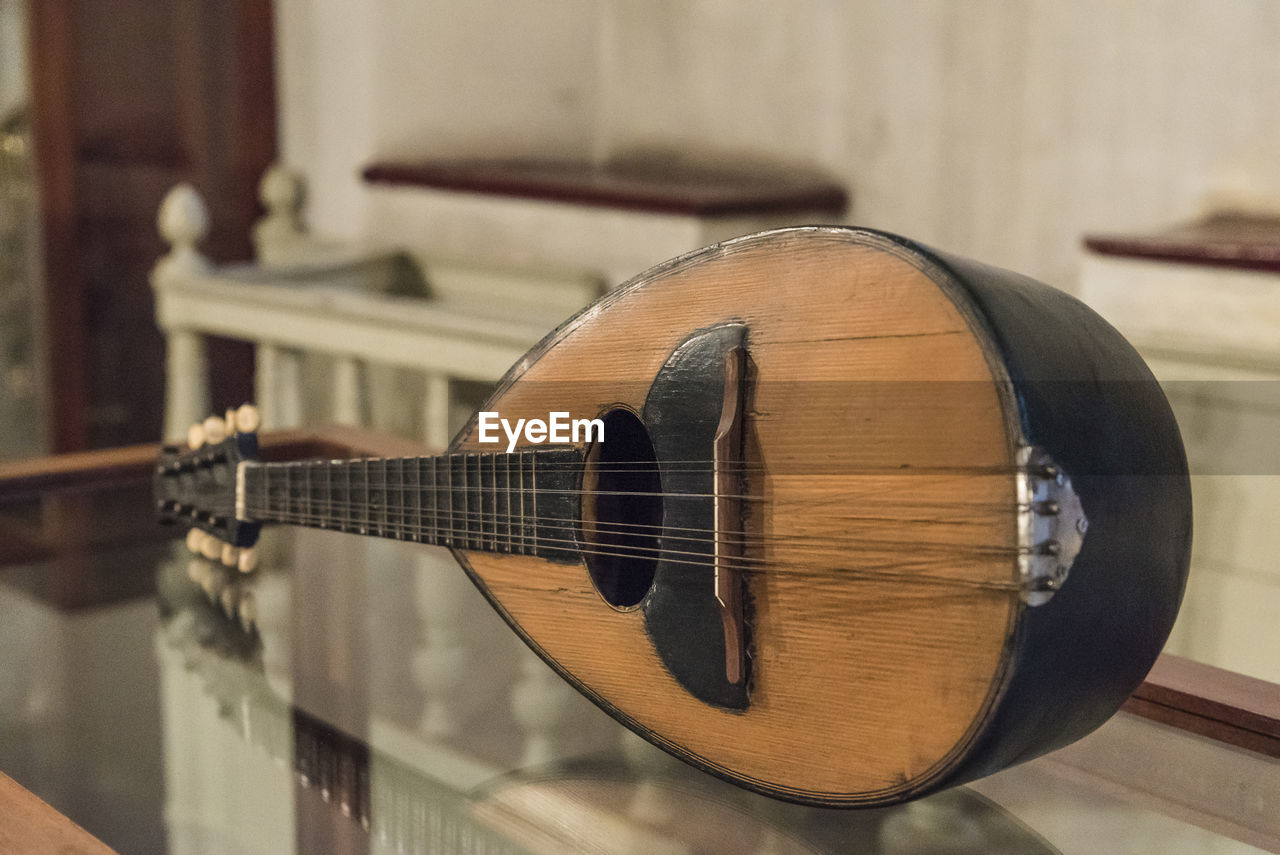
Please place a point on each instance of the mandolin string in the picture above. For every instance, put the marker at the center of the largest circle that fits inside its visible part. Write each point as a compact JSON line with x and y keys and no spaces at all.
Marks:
{"x":470,"y":535}
{"x":335,"y":505}
{"x":874,"y":571}
{"x":747,"y":564}
{"x":542,"y":491}
{"x":482,"y":515}
{"x":312,"y":514}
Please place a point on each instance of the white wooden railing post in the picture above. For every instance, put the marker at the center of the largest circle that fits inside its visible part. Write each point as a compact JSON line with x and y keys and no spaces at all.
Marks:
{"x":278,"y":385}
{"x":347,"y":408}
{"x":539,"y":701}
{"x":442,"y":665}
{"x":183,"y":222}
{"x":186,"y":387}
{"x":435,"y":410}
{"x":277,"y":236}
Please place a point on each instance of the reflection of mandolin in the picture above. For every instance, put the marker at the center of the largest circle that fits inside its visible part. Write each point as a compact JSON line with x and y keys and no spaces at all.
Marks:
{"x":608,"y":805}
{"x":867,"y":520}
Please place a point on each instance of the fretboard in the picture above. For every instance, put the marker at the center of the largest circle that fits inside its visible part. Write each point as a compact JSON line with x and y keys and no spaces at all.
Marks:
{"x":523,"y":503}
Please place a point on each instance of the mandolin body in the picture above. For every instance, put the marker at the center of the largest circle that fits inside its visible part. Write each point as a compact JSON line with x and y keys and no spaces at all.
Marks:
{"x":896,"y":400}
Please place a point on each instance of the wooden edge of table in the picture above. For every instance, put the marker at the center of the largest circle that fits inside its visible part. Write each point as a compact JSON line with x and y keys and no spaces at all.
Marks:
{"x":31,"y":825}
{"x":1222,"y":705}
{"x":86,"y":470}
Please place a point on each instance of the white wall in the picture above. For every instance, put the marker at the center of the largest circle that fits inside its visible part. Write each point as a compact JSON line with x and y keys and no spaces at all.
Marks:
{"x":13,"y":56}
{"x":1002,"y":129}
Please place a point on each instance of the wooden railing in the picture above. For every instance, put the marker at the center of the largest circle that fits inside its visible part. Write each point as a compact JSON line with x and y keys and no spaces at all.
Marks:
{"x":347,"y":306}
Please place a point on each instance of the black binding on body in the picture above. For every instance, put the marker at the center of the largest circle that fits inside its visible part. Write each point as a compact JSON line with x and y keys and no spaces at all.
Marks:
{"x":1086,"y":397}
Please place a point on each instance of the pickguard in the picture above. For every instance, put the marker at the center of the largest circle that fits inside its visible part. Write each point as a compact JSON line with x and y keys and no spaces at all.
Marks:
{"x":681,"y":612}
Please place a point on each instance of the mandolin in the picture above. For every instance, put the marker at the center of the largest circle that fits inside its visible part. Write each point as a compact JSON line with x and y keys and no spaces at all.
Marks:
{"x":832,"y":515}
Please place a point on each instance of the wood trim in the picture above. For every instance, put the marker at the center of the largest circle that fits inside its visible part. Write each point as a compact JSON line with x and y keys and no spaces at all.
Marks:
{"x":650,"y":186}
{"x":1222,"y":705}
{"x":52,"y":42}
{"x":86,"y":470}
{"x":30,"y":825}
{"x":1223,"y":240}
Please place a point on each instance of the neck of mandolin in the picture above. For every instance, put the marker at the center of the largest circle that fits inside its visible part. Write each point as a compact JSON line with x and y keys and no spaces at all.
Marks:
{"x":525,"y":502}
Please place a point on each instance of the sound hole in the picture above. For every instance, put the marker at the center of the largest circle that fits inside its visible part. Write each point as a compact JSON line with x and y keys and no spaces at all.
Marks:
{"x":622,"y":510}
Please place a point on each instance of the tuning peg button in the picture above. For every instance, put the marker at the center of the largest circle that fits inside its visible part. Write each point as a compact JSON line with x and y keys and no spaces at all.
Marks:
{"x":195,"y":435}
{"x":195,"y":537}
{"x":215,"y":430}
{"x":229,"y":555}
{"x":230,"y":601}
{"x":214,"y":581}
{"x":210,"y":547}
{"x":248,"y":561}
{"x":248,"y":419}
{"x":196,"y":570}
{"x":248,"y":610}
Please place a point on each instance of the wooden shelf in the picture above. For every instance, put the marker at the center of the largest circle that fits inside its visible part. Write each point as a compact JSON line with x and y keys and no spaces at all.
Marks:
{"x":1222,"y":240}
{"x":655,"y":185}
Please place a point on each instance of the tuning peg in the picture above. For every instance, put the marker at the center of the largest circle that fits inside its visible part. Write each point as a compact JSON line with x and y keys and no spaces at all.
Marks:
{"x":248,"y":561}
{"x":229,"y":555}
{"x":248,"y":610}
{"x":195,"y":537}
{"x":215,"y":430}
{"x":247,"y":419}
{"x":230,"y":600}
{"x":214,"y":581}
{"x":229,"y":418}
{"x":196,"y":570}
{"x":211,"y":547}
{"x":195,"y":436}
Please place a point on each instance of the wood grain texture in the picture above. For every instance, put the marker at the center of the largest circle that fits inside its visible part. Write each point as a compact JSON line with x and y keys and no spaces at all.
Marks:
{"x":884,"y":436}
{"x":30,"y":825}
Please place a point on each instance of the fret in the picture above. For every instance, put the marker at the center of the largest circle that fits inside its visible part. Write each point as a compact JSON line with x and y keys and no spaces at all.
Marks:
{"x":413,"y":499}
{"x":433,"y":465}
{"x":286,"y":504}
{"x":481,"y":502}
{"x":528,"y":526}
{"x":397,"y":498}
{"x":340,"y":496}
{"x":457,"y":501}
{"x":461,"y":500}
{"x":519,"y":458}
{"x":501,"y":503}
{"x":392,"y":500}
{"x":295,"y":498}
{"x":360,"y":497}
{"x":349,"y":507}
{"x":442,"y":507}
{"x":317,"y":514}
{"x":324,"y":493}
{"x":264,"y":498}
{"x":533,"y":493}
{"x":306,"y":492}
{"x":377,"y":473}
{"x":260,"y":477}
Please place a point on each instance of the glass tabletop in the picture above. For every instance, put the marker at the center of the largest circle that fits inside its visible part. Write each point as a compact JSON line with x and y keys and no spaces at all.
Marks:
{"x":355,"y":695}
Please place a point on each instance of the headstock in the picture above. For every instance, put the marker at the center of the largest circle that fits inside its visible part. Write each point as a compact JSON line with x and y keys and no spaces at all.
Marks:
{"x":196,"y":487}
